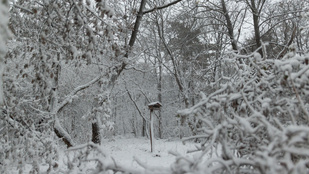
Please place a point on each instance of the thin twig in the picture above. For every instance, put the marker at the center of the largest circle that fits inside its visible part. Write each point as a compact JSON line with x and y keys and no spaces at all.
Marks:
{"x":303,"y":107}
{"x":161,"y":7}
{"x":23,"y":9}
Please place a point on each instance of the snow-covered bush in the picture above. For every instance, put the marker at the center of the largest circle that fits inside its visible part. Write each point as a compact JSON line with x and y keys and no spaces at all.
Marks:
{"x":48,"y":37}
{"x":25,"y":150}
{"x":257,"y":121}
{"x":92,"y":158}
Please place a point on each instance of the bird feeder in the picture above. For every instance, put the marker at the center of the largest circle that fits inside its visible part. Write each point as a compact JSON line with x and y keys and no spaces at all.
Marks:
{"x":152,"y":107}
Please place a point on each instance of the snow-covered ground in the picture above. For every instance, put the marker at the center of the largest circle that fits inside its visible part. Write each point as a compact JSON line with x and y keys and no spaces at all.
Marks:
{"x":125,"y":150}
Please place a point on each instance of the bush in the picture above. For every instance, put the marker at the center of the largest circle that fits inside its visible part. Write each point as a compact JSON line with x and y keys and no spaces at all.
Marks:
{"x":258,"y":119}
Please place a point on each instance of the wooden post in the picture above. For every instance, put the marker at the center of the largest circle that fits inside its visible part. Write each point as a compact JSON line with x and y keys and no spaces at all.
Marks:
{"x":152,"y":106}
{"x":151,"y":132}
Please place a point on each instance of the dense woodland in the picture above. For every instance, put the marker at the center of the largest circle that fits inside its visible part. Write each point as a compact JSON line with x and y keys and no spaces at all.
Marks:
{"x":230,"y":74}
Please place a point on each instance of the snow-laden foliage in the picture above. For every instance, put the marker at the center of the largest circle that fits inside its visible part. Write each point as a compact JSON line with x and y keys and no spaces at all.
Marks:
{"x":52,"y":33}
{"x":4,"y":35}
{"x":257,"y":121}
{"x":50,"y":36}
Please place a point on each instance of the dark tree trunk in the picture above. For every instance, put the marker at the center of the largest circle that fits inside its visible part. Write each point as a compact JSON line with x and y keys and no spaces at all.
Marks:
{"x":65,"y":140}
{"x":160,"y":98}
{"x":53,"y":101}
{"x":230,"y":27}
{"x":144,"y":128}
{"x":95,"y":133}
{"x":256,"y":14}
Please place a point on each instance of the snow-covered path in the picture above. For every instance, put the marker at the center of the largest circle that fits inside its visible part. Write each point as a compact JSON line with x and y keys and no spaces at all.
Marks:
{"x":125,"y":150}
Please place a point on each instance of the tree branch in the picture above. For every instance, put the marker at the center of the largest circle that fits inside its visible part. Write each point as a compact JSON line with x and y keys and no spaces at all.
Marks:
{"x":134,"y":102}
{"x":285,"y":49}
{"x":229,"y":25}
{"x":136,"y":25}
{"x":58,"y":129}
{"x":161,"y":35}
{"x":23,"y":9}
{"x":75,"y":91}
{"x":135,"y":30}
{"x":62,"y":134}
{"x":132,"y":39}
{"x":161,"y":7}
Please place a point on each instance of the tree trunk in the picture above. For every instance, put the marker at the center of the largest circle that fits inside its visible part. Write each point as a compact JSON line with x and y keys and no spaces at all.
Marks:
{"x":95,"y":133}
{"x":230,"y":27}
{"x":95,"y":125}
{"x":53,"y":102}
{"x":256,"y":14}
{"x":133,"y":122}
{"x":160,"y":99}
{"x":63,"y":138}
{"x":115,"y":118}
{"x":2,"y":65}
{"x":62,"y":134}
{"x":144,"y":128}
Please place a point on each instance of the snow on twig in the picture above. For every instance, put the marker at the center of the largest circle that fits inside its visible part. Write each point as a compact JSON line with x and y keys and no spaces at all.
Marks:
{"x":69,"y":97}
{"x":161,"y":7}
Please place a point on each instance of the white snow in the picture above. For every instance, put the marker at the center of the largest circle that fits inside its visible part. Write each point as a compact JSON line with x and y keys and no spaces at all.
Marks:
{"x":129,"y":153}
{"x":153,"y":103}
{"x":125,"y":150}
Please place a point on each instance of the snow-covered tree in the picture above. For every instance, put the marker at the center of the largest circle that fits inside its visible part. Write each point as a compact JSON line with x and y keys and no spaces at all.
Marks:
{"x":54,"y":33}
{"x":257,"y":121}
{"x":50,"y":36}
{"x":3,"y":49}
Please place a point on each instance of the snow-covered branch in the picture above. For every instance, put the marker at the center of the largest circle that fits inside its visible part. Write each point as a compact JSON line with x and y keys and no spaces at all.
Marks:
{"x":23,"y":8}
{"x":161,"y":7}
{"x":70,"y":96}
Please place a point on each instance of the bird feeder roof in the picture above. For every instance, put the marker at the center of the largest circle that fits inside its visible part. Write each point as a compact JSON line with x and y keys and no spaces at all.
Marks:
{"x":154,"y":105}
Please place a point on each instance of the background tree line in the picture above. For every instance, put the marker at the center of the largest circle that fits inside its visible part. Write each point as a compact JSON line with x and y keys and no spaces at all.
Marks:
{"x":80,"y":71}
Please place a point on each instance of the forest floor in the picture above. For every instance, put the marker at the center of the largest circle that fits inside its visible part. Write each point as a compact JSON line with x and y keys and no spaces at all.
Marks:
{"x":130,"y":153}
{"x":125,"y":150}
